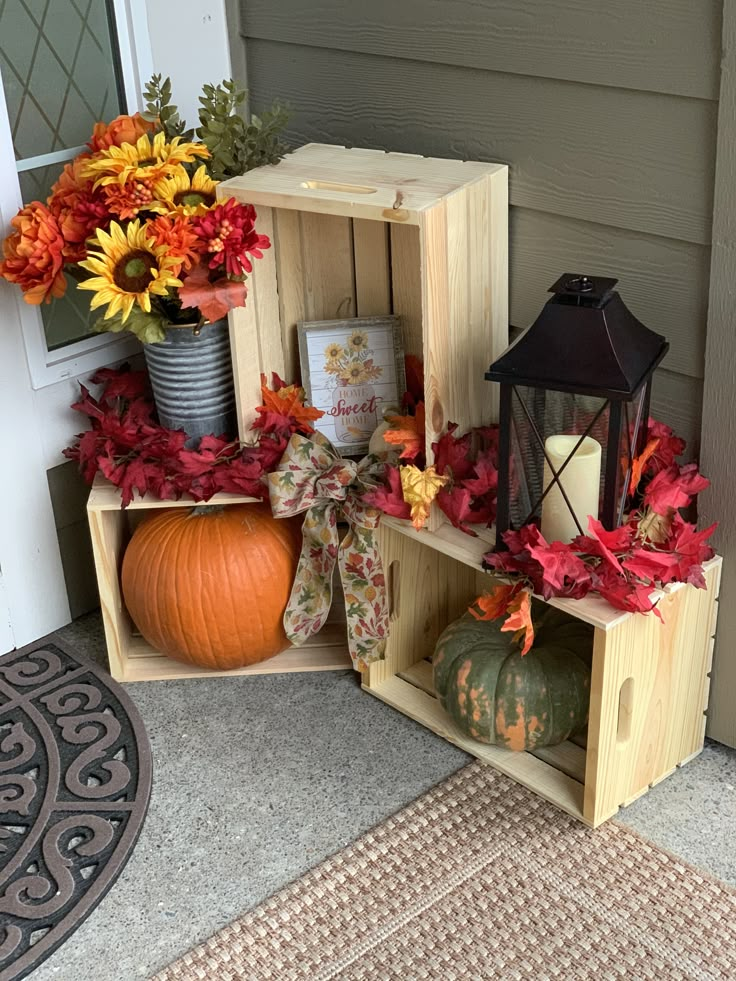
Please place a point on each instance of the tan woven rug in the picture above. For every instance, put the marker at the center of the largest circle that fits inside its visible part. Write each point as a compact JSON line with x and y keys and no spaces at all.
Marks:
{"x":481,"y":879}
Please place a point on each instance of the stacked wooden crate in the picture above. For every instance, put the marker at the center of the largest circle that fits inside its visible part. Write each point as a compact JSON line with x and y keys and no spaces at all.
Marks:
{"x":361,"y":233}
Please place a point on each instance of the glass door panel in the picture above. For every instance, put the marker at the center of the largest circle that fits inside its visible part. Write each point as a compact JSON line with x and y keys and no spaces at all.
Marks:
{"x":60,"y":70}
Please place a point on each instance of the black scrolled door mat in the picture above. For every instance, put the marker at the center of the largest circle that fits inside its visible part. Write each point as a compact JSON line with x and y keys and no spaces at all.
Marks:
{"x":75,"y":781}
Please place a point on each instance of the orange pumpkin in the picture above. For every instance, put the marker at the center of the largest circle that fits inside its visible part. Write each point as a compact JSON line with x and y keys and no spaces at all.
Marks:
{"x":209,"y":585}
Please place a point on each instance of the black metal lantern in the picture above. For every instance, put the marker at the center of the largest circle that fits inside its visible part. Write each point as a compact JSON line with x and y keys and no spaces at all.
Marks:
{"x":575,"y":393}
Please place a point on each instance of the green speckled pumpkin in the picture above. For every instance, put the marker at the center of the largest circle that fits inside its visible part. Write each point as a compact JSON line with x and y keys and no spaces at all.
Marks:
{"x":496,"y":695}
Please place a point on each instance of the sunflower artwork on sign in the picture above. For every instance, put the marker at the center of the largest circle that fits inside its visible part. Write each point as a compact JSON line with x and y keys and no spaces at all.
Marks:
{"x":351,"y":369}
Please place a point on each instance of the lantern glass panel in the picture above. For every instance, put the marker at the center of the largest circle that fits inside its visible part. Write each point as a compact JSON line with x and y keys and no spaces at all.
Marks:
{"x":577,"y":429}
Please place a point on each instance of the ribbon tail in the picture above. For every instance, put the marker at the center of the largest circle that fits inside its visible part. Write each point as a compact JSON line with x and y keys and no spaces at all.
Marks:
{"x":365,"y":595}
{"x":311,"y":595}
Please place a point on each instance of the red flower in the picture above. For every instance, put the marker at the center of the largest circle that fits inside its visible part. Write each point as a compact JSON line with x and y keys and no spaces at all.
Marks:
{"x":674,"y":488}
{"x":229,"y":235}
{"x":34,"y":254}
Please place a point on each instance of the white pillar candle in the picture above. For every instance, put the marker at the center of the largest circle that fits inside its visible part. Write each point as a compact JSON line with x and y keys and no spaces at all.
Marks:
{"x":581,"y":480}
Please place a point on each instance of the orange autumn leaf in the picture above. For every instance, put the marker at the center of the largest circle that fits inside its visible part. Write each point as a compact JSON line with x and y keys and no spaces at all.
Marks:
{"x":519,"y":620}
{"x":494,"y":604}
{"x":637,"y":468}
{"x":407,"y":432}
{"x":419,"y":488}
{"x":288,"y":401}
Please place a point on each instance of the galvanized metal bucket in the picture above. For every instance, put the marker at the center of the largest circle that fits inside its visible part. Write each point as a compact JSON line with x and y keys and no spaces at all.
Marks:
{"x":192,"y":380}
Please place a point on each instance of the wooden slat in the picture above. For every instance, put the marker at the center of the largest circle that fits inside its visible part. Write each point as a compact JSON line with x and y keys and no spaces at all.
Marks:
{"x":664,"y":282}
{"x":543,"y":779}
{"x":256,"y":347}
{"x":315,"y":274}
{"x":104,"y":496}
{"x":420,"y":675}
{"x":419,"y":615}
{"x":406,"y":285}
{"x":372,"y":268}
{"x":356,"y":183}
{"x":463,"y":245}
{"x":156,"y":668}
{"x":290,"y":276}
{"x":646,"y":712}
{"x":636,"y":160}
{"x":107,"y":529}
{"x":327,"y":251}
{"x":719,"y":424}
{"x":661,"y":45}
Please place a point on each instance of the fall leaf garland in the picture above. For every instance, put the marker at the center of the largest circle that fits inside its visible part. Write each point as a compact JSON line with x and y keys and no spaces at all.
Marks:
{"x":127,"y":445}
{"x":656,"y":546}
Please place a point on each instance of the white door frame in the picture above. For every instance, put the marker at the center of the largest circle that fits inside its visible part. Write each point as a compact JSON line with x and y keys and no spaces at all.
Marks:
{"x":37,"y":386}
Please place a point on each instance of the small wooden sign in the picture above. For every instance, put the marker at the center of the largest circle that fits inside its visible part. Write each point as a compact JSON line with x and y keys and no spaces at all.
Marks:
{"x":351,"y":370}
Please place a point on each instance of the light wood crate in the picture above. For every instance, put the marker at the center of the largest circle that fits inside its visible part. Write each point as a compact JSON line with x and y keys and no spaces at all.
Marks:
{"x":131,"y":657}
{"x":364,"y":233}
{"x":649,"y":685}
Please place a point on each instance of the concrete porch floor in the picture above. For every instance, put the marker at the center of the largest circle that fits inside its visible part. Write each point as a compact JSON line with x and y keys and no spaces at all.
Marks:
{"x":256,"y":780}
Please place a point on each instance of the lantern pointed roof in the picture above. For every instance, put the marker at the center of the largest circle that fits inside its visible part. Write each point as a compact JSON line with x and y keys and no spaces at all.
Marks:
{"x":585,"y":340}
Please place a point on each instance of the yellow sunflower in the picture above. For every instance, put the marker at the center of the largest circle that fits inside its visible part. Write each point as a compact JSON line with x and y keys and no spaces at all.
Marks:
{"x":334,"y":351}
{"x":145,"y":160}
{"x":358,"y":341}
{"x":354,"y":374}
{"x":130,"y":268}
{"x":179,"y":193}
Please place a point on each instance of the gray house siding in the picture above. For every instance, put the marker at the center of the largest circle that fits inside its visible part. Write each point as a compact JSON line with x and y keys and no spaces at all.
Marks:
{"x":607,"y":115}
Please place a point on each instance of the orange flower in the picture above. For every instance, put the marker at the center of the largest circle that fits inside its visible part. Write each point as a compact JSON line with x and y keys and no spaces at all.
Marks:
{"x":34,"y":254}
{"x":176,"y":231}
{"x":126,"y":200}
{"x":123,"y":129}
{"x":78,"y":208}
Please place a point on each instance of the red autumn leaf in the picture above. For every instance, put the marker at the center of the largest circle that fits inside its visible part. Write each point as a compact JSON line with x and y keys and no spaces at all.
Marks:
{"x":484,"y":479}
{"x":242,"y":476}
{"x":674,"y":488}
{"x":562,"y":569}
{"x":389,"y":499}
{"x":120,"y":382}
{"x":640,"y":462}
{"x":653,"y":567}
{"x":668,"y":448}
{"x":214,"y":300}
{"x":519,"y":620}
{"x":277,"y":383}
{"x":453,"y":453}
{"x":625,"y":595}
{"x":133,"y":479}
{"x":194,"y":463}
{"x":491,"y":606}
{"x":604,"y":543}
{"x":408,"y":432}
{"x":455,"y":504}
{"x":689,"y":546}
{"x":526,"y":537}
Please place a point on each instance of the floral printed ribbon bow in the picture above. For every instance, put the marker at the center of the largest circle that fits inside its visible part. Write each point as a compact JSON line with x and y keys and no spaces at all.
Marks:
{"x":312,"y":477}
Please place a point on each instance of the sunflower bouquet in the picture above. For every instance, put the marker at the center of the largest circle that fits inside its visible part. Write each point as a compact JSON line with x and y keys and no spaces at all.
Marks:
{"x":352,"y":363}
{"x":135,"y":219}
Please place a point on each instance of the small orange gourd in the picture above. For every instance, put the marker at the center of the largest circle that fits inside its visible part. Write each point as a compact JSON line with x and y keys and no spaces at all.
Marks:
{"x":209,"y":585}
